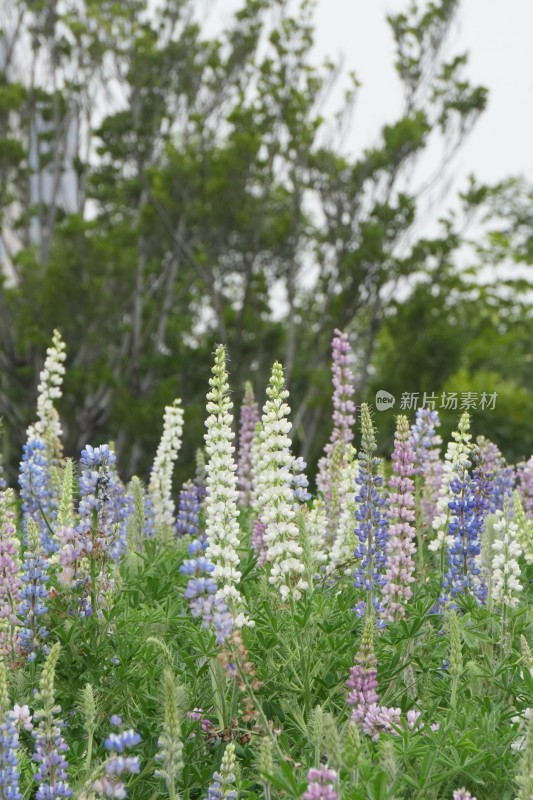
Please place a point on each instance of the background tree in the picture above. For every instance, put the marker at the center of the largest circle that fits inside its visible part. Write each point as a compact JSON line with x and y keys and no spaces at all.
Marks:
{"x":193,"y":193}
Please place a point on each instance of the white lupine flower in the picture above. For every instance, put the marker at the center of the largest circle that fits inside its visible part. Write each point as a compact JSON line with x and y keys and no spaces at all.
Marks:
{"x":506,"y":549}
{"x":346,"y":541}
{"x":160,"y":486}
{"x":255,"y":454}
{"x":525,"y":528}
{"x":221,"y":512}
{"x":274,"y":495}
{"x":316,"y":523}
{"x":48,"y":426}
{"x":457,"y":458}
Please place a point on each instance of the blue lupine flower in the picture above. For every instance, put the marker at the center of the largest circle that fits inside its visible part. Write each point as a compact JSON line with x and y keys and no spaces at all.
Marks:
{"x":424,"y":436}
{"x":371,"y":522}
{"x":121,"y":741}
{"x":50,"y":746}
{"x":223,"y":780}
{"x":188,"y":519}
{"x":33,"y":595}
{"x":36,"y":491}
{"x":201,"y":592}
{"x":9,"y":769}
{"x":110,"y":785}
{"x":300,"y":483}
{"x":469,"y":507}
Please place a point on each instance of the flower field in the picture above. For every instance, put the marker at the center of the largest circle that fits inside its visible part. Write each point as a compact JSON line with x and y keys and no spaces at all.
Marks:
{"x":247,"y":639}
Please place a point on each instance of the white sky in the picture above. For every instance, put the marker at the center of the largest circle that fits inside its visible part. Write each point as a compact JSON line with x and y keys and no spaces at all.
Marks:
{"x":498,"y":36}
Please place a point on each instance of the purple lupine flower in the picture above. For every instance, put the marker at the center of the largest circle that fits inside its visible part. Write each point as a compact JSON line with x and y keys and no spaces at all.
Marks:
{"x":469,"y":507}
{"x":321,"y":784}
{"x":371,"y":522}
{"x":381,"y":719}
{"x":36,"y":491}
{"x":9,"y":743}
{"x":249,"y":417}
{"x":399,"y":564}
{"x":525,"y":485}
{"x":363,"y":681}
{"x":462,"y":794}
{"x":33,"y":595}
{"x":258,"y":541}
{"x":343,"y":405}
{"x":3,"y":484}
{"x":363,"y":698}
{"x":426,"y":444}
{"x":9,"y":576}
{"x":502,"y":476}
{"x":188,"y":519}
{"x":50,"y":746}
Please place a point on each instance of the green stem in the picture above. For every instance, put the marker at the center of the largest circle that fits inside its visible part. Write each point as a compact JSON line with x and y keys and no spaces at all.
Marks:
{"x":89,"y":756}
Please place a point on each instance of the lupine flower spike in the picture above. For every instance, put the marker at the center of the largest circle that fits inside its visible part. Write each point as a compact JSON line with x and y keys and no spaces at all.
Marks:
{"x":274,"y":492}
{"x":502,"y":475}
{"x":426,"y":444}
{"x":160,"y":486}
{"x":9,"y":742}
{"x":463,"y":794}
{"x":342,"y":552}
{"x":506,"y":584}
{"x":525,"y":776}
{"x":170,"y":754}
{"x":456,"y":460}
{"x":223,"y":781}
{"x":221,"y":512}
{"x":321,"y":784}
{"x":9,"y":577}
{"x":50,"y":746}
{"x":399,"y":564}
{"x":371,"y":523}
{"x":188,"y":520}
{"x":118,"y":764}
{"x":363,"y":697}
{"x":469,"y":506}
{"x":525,"y":528}
{"x":343,"y":405}
{"x":47,"y":428}
{"x":525,"y":486}
{"x":249,"y":418}
{"x":33,"y":595}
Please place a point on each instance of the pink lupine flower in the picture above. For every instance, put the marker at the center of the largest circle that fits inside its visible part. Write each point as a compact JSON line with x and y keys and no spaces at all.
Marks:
{"x":463,"y":794}
{"x":399,"y":564}
{"x":343,"y":405}
{"x":363,"y":677}
{"x":21,"y":715}
{"x":321,"y":784}
{"x":380,"y":719}
{"x":525,"y":486}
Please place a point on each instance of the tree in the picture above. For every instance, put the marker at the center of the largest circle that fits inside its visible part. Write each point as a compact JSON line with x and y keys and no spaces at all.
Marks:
{"x":207,"y":183}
